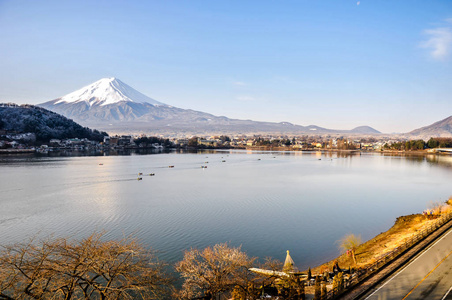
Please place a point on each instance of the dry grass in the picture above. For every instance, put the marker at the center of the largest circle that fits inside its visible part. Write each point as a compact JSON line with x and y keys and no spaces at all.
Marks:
{"x":369,"y":252}
{"x":385,"y":242}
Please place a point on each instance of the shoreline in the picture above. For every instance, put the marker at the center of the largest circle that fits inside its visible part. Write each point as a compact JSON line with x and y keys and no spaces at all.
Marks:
{"x":279,"y":149}
{"x":384,"y":243}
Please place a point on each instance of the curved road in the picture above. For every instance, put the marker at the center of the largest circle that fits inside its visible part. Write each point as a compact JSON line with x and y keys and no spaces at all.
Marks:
{"x":427,"y":276}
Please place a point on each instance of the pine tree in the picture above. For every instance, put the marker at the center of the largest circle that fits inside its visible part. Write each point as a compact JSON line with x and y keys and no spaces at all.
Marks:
{"x":338,"y":283}
{"x":341,"y":281}
{"x":317,"y":291}
{"x":324,"y":293}
{"x":301,"y":292}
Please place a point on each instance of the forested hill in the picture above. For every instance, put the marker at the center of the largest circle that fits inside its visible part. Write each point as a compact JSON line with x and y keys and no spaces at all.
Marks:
{"x":43,"y":123}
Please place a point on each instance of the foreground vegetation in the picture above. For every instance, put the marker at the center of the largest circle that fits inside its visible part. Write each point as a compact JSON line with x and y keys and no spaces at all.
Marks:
{"x":88,"y":269}
{"x":97,"y":269}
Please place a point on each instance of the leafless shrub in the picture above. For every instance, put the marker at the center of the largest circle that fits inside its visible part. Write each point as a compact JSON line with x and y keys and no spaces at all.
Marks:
{"x":90,"y":268}
{"x":214,"y":271}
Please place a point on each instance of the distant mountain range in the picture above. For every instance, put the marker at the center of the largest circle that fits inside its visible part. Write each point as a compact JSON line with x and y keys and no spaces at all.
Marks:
{"x":113,"y":106}
{"x":441,"y":128}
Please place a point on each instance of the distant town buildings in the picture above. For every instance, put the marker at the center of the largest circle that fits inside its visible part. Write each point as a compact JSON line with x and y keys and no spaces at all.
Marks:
{"x":15,"y":140}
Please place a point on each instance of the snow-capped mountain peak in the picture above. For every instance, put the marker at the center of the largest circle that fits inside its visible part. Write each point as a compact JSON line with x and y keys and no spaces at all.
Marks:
{"x":107,"y":91}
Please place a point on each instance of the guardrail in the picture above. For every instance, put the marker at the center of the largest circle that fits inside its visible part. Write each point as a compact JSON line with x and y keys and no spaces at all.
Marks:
{"x":362,"y":274}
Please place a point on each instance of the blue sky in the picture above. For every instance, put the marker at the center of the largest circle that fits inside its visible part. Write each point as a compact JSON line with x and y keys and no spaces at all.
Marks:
{"x":335,"y":64}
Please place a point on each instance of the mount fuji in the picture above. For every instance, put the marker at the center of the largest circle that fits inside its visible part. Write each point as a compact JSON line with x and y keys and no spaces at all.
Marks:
{"x":107,"y":91}
{"x":111,"y":105}
{"x":106,"y":100}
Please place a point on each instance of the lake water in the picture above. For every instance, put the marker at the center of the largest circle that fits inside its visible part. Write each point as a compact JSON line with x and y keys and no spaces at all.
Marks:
{"x":268,"y":202}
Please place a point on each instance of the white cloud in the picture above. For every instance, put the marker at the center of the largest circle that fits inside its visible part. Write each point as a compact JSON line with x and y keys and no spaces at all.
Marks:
{"x":245,"y":98}
{"x":357,"y":3}
{"x":239,"y":83}
{"x":439,"y":42}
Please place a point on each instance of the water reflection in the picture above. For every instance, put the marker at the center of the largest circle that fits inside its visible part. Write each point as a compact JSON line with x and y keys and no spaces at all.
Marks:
{"x":440,"y":160}
{"x":109,"y":152}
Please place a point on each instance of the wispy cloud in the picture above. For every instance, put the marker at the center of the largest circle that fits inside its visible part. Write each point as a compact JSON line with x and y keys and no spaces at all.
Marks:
{"x":245,"y":98}
{"x":239,"y":83}
{"x":439,"y":41}
{"x":358,"y":3}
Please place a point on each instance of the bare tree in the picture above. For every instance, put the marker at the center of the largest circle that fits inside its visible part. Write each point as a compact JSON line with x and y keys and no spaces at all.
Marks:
{"x":90,"y":268}
{"x":350,"y":243}
{"x":214,"y":271}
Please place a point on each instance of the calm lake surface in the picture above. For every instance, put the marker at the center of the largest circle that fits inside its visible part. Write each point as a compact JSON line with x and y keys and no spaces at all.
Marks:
{"x":268,"y":202}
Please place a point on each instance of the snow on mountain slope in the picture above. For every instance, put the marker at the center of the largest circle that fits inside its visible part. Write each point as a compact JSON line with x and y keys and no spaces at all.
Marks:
{"x":106,"y":91}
